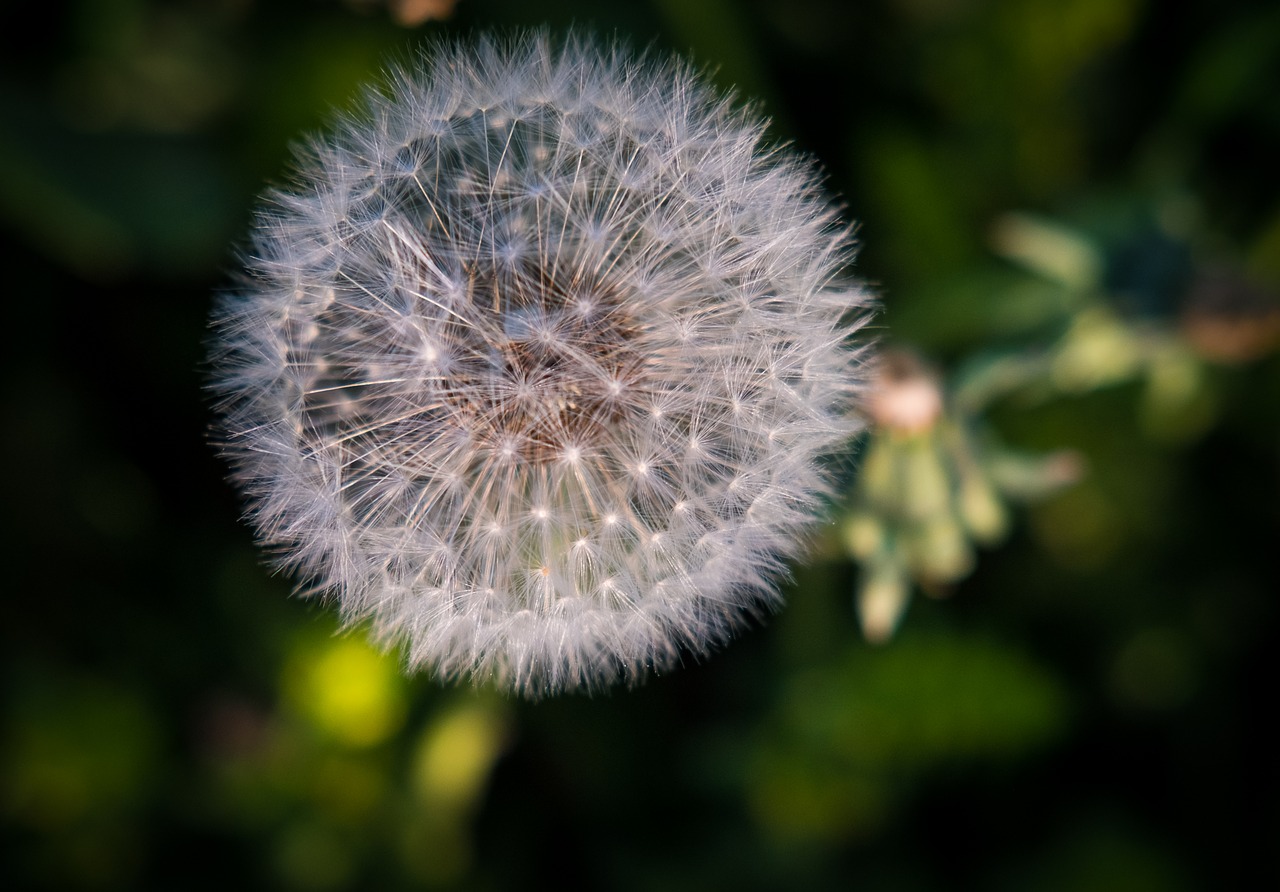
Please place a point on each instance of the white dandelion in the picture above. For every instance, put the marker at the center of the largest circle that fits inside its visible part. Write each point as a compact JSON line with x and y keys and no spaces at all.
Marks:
{"x":536,"y":367}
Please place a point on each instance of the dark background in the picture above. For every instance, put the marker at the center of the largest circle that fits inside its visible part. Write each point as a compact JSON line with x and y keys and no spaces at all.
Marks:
{"x":1086,"y":710}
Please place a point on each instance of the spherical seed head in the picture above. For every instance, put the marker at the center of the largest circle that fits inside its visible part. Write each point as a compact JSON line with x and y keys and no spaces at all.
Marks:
{"x":536,"y":366}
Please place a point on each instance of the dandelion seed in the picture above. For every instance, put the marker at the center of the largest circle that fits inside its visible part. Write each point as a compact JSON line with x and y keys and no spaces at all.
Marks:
{"x":536,"y":367}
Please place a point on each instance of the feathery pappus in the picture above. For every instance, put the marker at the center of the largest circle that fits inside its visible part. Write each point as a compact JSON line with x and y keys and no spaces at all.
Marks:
{"x":537,"y":363}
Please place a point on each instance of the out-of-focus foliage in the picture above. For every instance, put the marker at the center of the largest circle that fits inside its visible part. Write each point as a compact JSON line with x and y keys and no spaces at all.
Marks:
{"x":936,"y":483}
{"x":848,"y":739}
{"x":1073,"y":210}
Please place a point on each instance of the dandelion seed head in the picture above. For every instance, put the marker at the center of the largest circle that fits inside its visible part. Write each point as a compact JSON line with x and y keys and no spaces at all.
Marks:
{"x":536,"y":365}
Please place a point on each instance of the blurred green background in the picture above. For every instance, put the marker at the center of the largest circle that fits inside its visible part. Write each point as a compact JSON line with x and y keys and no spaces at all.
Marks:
{"x":1072,"y":209}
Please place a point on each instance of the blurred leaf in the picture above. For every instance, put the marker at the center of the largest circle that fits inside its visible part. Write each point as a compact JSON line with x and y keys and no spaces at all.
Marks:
{"x":847,"y":737}
{"x":1049,"y":249}
{"x":926,"y":699}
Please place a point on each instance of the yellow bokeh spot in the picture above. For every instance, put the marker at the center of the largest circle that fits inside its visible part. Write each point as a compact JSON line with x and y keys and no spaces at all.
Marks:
{"x":347,"y":690}
{"x":456,"y":753}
